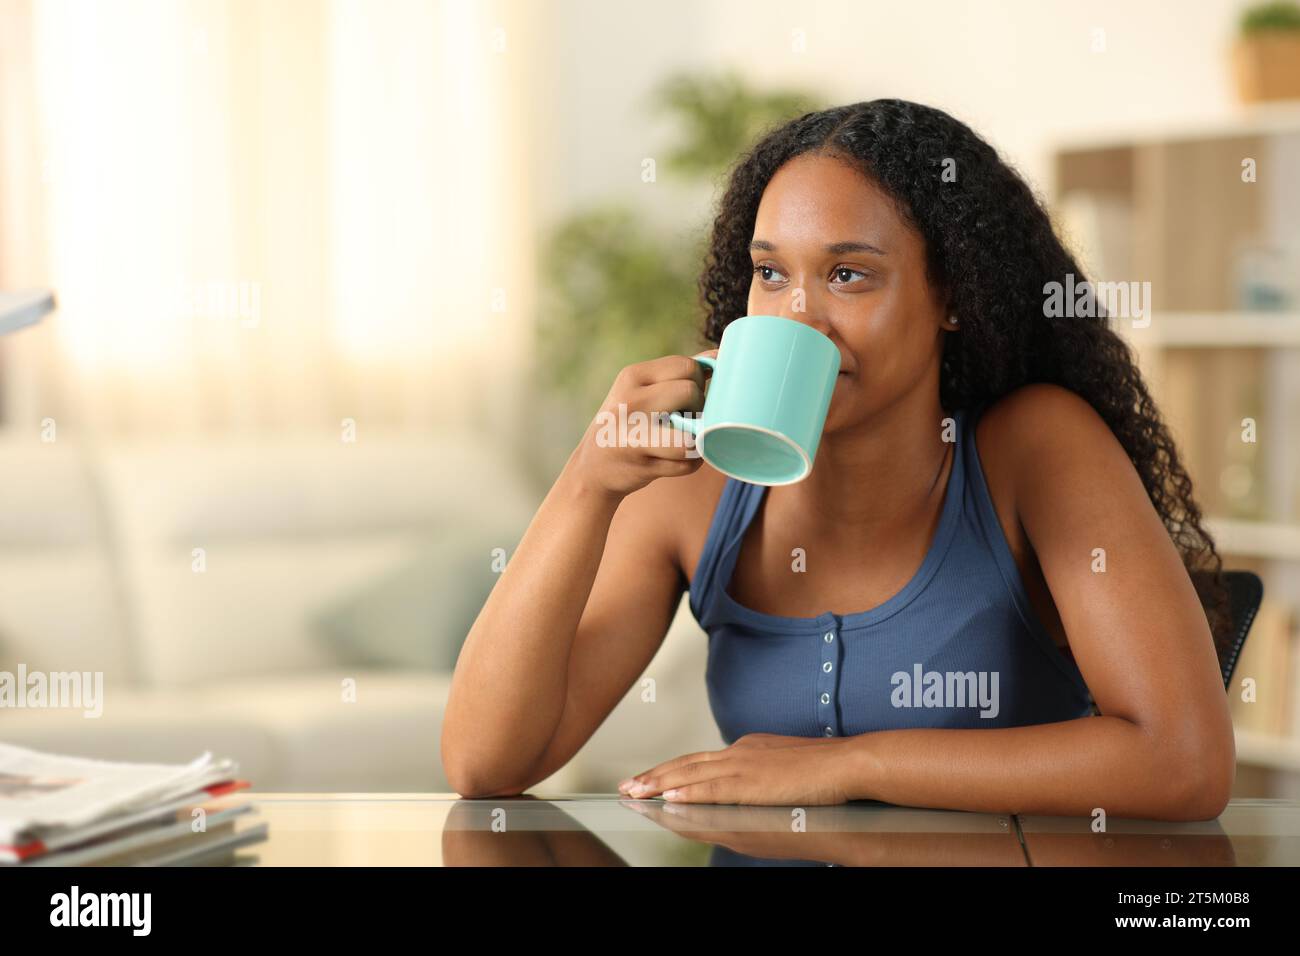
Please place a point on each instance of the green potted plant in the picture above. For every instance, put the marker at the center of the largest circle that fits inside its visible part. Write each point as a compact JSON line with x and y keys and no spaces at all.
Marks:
{"x":1266,"y":58}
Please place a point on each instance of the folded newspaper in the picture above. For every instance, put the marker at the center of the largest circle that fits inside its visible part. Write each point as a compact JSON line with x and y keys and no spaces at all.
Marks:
{"x":49,"y":799}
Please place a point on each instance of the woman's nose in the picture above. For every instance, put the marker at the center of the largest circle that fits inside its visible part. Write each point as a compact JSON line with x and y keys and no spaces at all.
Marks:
{"x":802,"y":311}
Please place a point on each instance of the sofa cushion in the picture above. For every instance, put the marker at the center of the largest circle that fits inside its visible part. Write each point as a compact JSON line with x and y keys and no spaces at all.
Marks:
{"x":281,"y":527}
{"x":61,"y":605}
{"x":419,"y":612}
{"x":295,"y":733}
{"x":248,"y":612}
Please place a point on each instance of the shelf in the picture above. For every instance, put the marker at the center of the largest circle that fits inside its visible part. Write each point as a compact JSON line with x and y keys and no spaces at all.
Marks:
{"x":1260,"y":119}
{"x":1215,"y":330}
{"x":1260,"y":539}
{"x":1266,"y":750}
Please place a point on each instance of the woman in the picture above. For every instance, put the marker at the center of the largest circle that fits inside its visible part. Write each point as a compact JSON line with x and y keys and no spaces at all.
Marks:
{"x":1012,"y":629}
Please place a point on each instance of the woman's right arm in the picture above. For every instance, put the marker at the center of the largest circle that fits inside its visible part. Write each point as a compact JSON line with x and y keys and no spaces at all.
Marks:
{"x":582,"y":605}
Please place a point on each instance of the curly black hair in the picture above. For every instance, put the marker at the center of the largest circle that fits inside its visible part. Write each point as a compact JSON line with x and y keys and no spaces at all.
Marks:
{"x":990,"y":251}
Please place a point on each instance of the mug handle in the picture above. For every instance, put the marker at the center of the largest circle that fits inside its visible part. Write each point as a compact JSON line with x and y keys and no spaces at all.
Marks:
{"x":679,"y":420}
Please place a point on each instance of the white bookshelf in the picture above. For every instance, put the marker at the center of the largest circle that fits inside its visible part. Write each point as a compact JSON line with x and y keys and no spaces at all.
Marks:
{"x":1269,"y":541}
{"x":1193,"y":330}
{"x":1273,"y":542}
{"x":1167,"y":205}
{"x":1267,"y":750}
{"x":1259,"y":119}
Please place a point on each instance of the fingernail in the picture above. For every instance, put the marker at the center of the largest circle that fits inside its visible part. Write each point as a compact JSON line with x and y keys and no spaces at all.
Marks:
{"x":639,"y":788}
{"x":625,"y":784}
{"x":671,"y":794}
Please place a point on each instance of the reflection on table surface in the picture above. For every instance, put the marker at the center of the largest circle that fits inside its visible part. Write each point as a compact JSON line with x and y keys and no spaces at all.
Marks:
{"x":1249,"y":832}
{"x":610,"y":830}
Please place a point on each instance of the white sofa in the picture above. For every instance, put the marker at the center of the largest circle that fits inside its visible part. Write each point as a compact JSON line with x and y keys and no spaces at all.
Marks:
{"x":190,"y":574}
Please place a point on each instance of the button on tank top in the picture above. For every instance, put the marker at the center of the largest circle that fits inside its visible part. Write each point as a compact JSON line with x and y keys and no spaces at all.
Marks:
{"x":959,"y":646}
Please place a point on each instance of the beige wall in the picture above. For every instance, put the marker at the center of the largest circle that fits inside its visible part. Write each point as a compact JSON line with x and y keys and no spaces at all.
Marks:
{"x":1022,"y":72}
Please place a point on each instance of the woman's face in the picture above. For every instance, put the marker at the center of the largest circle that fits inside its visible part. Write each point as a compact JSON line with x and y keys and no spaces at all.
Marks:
{"x":825,"y":229}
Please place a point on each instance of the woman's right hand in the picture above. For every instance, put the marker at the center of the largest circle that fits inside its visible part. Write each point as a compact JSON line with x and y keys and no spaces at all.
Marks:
{"x":608,"y":463}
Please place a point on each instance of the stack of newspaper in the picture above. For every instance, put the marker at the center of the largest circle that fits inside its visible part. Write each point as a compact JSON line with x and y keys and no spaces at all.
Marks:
{"x":69,"y":811}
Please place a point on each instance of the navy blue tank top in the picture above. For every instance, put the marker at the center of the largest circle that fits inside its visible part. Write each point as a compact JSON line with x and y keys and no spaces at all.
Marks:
{"x":959,"y":646}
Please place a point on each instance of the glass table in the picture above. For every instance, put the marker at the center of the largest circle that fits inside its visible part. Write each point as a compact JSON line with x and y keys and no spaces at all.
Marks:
{"x":594,"y":829}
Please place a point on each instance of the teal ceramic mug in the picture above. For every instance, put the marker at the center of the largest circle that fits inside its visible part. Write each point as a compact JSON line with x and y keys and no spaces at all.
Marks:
{"x":766,"y":401}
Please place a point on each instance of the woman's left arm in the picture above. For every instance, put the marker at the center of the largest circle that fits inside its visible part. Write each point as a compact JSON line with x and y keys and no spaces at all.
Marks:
{"x":1163,"y":745}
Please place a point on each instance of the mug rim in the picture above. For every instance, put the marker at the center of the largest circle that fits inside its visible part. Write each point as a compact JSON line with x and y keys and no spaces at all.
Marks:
{"x":780,"y":318}
{"x":803,"y":455}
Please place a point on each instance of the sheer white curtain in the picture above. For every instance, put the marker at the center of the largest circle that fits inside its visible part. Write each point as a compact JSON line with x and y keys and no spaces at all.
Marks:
{"x":265,"y":215}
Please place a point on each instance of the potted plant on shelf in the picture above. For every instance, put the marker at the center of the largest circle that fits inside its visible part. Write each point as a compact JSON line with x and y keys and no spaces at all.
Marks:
{"x":1266,"y":58}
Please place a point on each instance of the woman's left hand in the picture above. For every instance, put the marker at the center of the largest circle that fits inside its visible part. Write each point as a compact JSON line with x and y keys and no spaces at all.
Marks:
{"x":758,"y":769}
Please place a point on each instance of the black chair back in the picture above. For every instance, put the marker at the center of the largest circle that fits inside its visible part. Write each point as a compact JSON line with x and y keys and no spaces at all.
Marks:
{"x":1245,"y":592}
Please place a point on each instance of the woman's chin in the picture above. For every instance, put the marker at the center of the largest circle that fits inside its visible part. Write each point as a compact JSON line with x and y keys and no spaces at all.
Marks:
{"x":842,"y":396}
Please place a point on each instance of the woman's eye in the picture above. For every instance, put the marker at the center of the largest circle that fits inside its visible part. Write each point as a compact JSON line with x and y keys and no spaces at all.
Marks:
{"x":852,"y":272}
{"x":844,"y":273}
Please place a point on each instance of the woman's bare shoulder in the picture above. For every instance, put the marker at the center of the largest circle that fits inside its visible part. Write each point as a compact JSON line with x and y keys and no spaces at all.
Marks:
{"x":1019,"y":425}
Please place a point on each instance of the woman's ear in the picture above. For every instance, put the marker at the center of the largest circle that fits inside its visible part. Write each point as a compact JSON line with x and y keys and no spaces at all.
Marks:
{"x":948,"y":319}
